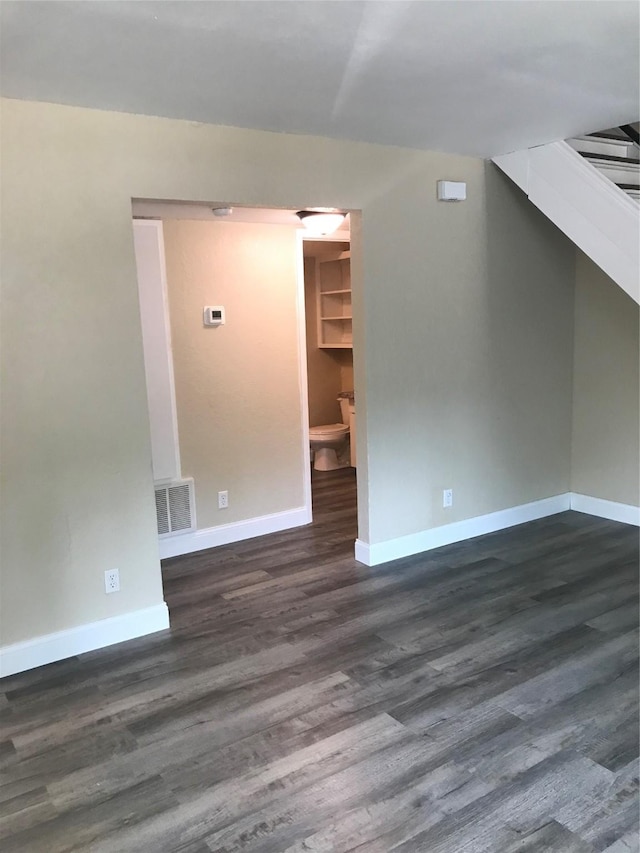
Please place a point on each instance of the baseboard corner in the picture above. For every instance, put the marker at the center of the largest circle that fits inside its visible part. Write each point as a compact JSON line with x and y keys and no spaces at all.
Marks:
{"x":362,"y":552}
{"x":612,"y":510}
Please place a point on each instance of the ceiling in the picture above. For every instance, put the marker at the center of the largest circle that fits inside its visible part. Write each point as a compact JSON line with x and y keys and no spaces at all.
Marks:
{"x":475,"y":77}
{"x":151,"y":209}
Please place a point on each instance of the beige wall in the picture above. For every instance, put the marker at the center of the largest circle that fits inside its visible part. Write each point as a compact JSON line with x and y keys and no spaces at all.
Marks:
{"x":469,"y":349}
{"x":237,"y":386}
{"x":462,"y":324}
{"x":605,"y":459}
{"x":345,"y":358}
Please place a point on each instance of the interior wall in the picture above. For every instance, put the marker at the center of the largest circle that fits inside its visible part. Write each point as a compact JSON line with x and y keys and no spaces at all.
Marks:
{"x":345,"y":359}
{"x":323,"y":370}
{"x":237,"y":385}
{"x":606,"y":404}
{"x":469,"y":350}
{"x":463,"y":318}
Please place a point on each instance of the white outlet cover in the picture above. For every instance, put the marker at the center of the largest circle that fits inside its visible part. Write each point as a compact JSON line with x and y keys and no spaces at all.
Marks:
{"x":112,"y":581}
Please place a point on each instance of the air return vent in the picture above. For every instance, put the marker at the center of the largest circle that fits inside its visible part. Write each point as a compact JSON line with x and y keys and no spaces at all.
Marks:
{"x":175,"y":510}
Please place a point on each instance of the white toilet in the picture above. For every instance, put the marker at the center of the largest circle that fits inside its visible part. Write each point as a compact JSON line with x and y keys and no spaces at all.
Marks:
{"x":328,"y":440}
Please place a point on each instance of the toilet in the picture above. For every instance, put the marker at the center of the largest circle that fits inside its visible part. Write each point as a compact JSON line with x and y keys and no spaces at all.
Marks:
{"x":328,"y":440}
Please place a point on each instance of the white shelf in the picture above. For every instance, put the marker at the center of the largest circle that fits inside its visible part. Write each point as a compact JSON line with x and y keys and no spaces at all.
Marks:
{"x":333,"y":294}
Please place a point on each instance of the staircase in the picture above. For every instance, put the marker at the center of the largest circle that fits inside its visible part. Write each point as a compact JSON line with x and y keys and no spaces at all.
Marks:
{"x":615,"y":155}
{"x":590,"y":188}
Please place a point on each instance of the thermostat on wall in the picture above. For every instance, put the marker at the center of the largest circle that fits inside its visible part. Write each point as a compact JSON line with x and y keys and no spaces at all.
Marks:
{"x":214,"y":315}
{"x":452,"y":191}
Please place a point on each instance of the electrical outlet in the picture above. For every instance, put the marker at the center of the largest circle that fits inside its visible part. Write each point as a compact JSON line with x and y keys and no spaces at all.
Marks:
{"x":223,"y":499}
{"x":112,"y":581}
{"x":447,"y":498}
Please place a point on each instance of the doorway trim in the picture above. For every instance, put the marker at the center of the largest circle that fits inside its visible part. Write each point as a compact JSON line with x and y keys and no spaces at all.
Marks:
{"x":303,"y":377}
{"x":155,"y":323}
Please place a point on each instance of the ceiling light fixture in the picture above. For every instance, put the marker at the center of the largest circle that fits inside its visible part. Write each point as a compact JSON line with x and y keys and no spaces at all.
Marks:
{"x":222,"y":211}
{"x":321,"y":222}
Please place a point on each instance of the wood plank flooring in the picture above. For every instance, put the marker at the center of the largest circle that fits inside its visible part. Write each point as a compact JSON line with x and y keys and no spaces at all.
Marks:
{"x":480,"y":698}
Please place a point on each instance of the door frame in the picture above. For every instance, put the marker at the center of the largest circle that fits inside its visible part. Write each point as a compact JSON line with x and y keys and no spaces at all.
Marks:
{"x":252,"y":527}
{"x":155,"y":322}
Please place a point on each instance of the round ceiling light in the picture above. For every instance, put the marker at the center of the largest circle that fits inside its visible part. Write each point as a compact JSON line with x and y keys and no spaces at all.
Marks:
{"x":321,"y":222}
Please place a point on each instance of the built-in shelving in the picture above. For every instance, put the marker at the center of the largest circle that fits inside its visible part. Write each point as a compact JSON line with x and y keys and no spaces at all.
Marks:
{"x":333,"y":288}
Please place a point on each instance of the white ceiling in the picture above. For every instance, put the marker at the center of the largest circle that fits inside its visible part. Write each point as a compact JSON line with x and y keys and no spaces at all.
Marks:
{"x":470,"y":76}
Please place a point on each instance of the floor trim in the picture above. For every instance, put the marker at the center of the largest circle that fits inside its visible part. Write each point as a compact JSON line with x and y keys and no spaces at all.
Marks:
{"x":447,"y":534}
{"x":626,"y":513}
{"x":225,"y":534}
{"x":436,"y":537}
{"x":29,"y":654}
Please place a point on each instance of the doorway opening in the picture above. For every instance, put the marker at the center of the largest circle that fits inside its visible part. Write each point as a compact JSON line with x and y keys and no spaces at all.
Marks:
{"x":247,"y":334}
{"x":330,"y":377}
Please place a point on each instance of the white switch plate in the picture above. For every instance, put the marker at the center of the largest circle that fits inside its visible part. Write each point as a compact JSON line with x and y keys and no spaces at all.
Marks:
{"x":447,"y":498}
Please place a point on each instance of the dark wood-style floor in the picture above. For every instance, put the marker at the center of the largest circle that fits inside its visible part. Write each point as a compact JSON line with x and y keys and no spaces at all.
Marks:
{"x":480,"y":698}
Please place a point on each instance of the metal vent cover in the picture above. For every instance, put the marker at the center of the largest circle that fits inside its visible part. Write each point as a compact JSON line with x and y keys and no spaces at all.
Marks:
{"x":175,"y":508}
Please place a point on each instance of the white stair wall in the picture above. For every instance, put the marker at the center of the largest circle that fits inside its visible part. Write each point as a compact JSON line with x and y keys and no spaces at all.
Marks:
{"x":601,"y":219}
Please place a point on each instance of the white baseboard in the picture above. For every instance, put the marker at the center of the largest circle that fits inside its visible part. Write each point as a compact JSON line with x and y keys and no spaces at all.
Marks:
{"x":19,"y":657}
{"x":447,"y":534}
{"x":29,"y":654}
{"x":436,"y":537}
{"x":626,"y":513}
{"x":211,"y":537}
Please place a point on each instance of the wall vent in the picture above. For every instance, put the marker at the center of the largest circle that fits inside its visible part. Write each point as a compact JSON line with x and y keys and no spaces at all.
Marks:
{"x":175,"y":508}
